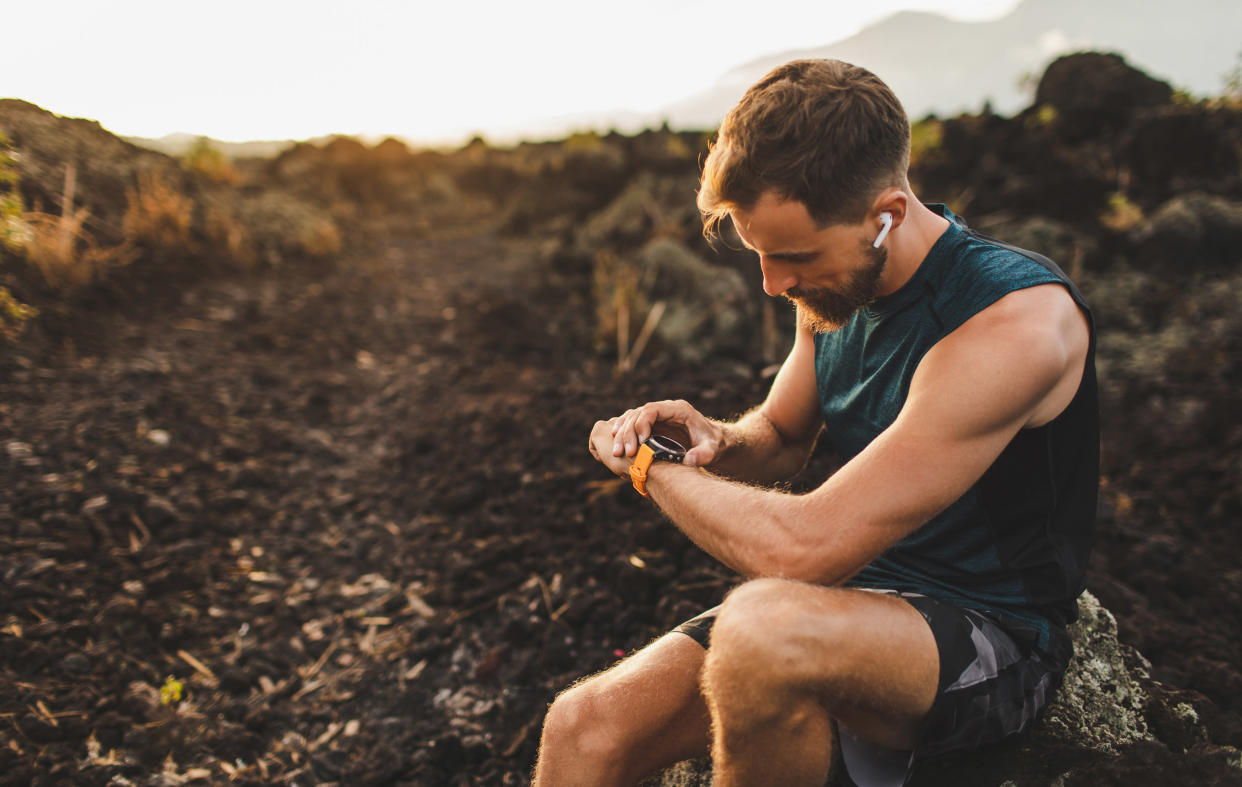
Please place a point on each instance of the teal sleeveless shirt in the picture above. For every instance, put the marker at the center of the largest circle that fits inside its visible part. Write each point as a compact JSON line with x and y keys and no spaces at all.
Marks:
{"x":1017,"y":542}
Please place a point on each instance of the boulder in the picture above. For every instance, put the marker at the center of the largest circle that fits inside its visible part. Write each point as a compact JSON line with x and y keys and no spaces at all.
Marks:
{"x":1095,"y":730}
{"x":1062,"y":244}
{"x":1173,"y":149}
{"x":1190,"y":233}
{"x":708,"y":307}
{"x":647,"y":206}
{"x":1094,"y":92}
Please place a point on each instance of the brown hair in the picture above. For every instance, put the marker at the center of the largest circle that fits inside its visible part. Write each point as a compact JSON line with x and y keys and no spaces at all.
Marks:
{"x":826,"y":133}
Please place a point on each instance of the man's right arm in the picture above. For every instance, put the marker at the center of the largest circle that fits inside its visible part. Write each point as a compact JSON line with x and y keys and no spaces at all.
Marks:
{"x":770,"y":443}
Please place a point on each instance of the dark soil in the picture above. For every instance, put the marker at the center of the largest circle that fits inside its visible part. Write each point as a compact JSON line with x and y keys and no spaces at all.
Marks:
{"x":352,"y":511}
{"x":373,"y":546}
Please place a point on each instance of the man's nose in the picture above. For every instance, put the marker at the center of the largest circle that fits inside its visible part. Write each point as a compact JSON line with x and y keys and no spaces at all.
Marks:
{"x":775,"y":280}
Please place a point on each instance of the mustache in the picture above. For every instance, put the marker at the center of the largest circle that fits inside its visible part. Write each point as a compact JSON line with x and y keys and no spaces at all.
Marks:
{"x":795,"y":293}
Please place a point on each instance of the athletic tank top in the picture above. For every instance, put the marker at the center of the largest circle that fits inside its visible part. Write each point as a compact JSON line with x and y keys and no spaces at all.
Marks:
{"x":1017,"y":542}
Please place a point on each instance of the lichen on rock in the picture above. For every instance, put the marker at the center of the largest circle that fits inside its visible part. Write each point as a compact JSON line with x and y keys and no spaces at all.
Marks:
{"x":1100,"y":703}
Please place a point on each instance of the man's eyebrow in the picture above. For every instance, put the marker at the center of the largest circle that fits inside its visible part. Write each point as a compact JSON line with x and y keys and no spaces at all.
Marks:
{"x":795,"y":256}
{"x":791,"y":256}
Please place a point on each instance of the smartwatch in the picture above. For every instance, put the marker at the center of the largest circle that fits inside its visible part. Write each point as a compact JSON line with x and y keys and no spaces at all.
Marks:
{"x":654,"y":448}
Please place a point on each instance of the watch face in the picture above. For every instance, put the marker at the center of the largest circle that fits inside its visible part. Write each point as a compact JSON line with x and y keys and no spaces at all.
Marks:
{"x":667,"y":445}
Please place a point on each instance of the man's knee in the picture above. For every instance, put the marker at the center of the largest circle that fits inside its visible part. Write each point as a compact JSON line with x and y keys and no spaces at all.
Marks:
{"x":579,"y":721}
{"x":767,"y":627}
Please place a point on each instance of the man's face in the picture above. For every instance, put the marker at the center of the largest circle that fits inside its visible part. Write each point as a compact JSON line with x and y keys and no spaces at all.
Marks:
{"x":829,"y":272}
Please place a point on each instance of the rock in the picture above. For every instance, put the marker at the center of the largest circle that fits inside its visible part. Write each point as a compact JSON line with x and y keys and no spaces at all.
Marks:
{"x":1190,"y":233}
{"x":647,"y":204}
{"x":1173,"y":149}
{"x":1053,"y":239}
{"x":1094,"y":91}
{"x":1099,"y":713}
{"x":708,"y":313}
{"x":1100,"y":703}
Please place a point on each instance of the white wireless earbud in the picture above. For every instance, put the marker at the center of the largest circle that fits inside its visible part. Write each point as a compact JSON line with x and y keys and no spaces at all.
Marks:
{"x":887,"y":220}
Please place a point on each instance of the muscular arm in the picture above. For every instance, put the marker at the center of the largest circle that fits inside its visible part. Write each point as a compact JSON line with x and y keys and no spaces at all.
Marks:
{"x":1014,"y":365}
{"x":773,"y":441}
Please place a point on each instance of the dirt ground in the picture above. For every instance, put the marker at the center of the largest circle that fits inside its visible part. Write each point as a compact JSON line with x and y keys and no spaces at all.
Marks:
{"x":350,"y":509}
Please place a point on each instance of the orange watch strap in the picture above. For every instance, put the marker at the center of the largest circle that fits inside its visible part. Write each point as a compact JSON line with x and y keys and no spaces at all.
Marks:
{"x":638,"y":470}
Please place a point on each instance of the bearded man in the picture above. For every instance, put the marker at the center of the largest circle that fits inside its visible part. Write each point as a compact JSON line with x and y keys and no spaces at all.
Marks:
{"x":915,"y":603}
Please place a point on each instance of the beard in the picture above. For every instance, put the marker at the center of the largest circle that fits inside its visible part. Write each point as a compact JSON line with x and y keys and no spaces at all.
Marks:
{"x":823,"y":310}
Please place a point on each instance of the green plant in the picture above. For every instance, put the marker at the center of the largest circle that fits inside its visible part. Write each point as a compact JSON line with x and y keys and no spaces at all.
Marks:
{"x":584,"y":140}
{"x":13,"y":313}
{"x":210,"y":162}
{"x":10,"y":198}
{"x":926,"y":137}
{"x":1122,"y":214}
{"x":1184,"y":98}
{"x":170,"y":692}
{"x":1045,"y":116}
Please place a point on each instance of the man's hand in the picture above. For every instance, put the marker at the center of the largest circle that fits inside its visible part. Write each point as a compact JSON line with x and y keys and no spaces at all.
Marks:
{"x":631,"y":428}
{"x":600,"y":445}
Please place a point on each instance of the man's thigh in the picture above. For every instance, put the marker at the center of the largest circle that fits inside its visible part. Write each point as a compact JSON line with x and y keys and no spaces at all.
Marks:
{"x":989,"y":680}
{"x":869,"y":657}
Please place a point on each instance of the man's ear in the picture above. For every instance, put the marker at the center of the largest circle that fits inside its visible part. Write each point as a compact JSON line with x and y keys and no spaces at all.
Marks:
{"x":893,"y":201}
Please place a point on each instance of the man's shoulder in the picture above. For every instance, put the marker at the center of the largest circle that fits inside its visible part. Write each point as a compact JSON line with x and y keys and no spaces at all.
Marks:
{"x":990,"y":275}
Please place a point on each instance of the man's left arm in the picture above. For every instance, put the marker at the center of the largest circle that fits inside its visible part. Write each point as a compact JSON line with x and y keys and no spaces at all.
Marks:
{"x":1014,"y":365}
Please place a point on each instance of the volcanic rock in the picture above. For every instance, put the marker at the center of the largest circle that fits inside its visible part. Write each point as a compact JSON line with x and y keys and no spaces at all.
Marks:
{"x":1094,"y":91}
{"x":1189,"y":233}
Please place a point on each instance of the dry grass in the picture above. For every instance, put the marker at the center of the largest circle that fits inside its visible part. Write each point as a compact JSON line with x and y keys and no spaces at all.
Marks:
{"x":1122,"y":214}
{"x":59,"y":247}
{"x":157,"y":216}
{"x":211,"y":163}
{"x":225,"y":232}
{"x":619,"y":305}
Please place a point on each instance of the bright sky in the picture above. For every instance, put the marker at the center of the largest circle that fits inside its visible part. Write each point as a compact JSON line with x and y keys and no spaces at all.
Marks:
{"x":257,"y":69}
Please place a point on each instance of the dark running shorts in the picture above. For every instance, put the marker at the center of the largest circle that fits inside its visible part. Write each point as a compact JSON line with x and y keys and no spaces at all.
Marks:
{"x":993,"y":682}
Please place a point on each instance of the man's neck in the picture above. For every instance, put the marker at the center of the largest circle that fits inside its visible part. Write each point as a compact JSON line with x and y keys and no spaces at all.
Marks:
{"x":908,"y":247}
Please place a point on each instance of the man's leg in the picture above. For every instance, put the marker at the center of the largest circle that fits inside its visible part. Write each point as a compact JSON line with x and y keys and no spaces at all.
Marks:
{"x":787,"y":659}
{"x":620,"y":725}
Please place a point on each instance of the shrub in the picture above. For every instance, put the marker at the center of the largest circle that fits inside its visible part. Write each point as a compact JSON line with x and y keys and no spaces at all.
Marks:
{"x":285,"y":227}
{"x":225,"y":232}
{"x":13,"y":313}
{"x":1122,"y":214}
{"x":11,"y":228}
{"x":60,"y":248}
{"x":926,"y":138}
{"x":157,"y":216}
{"x":210,"y":162}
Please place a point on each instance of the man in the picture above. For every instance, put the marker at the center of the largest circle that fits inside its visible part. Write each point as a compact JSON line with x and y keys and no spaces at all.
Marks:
{"x":916,"y":601}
